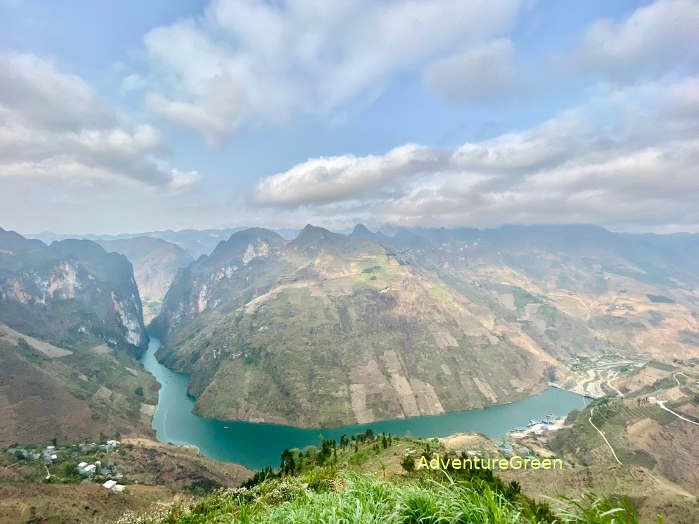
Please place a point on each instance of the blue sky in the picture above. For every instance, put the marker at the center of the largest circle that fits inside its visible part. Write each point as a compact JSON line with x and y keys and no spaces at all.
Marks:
{"x":133,"y":116}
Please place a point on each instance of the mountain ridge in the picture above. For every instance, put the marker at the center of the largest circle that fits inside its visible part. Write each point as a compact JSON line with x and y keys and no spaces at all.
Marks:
{"x":406,"y":310}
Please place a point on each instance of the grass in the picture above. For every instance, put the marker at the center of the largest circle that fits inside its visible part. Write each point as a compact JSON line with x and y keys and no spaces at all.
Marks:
{"x":365,"y":499}
{"x":548,"y":314}
{"x":325,"y":487}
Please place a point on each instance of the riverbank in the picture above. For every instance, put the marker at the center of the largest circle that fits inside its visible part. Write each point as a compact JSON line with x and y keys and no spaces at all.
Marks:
{"x":259,"y":445}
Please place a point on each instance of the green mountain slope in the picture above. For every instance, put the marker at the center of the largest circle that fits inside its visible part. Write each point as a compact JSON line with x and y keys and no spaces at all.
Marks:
{"x":331,"y":329}
{"x":370,"y":479}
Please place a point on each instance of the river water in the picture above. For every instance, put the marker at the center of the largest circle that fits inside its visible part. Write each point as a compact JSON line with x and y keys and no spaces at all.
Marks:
{"x":259,"y":445}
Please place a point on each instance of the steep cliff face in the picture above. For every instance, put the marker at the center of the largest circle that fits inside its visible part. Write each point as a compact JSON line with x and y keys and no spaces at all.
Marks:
{"x":155,"y":264}
{"x":70,"y":329}
{"x":71,"y":293}
{"x":236,"y":271}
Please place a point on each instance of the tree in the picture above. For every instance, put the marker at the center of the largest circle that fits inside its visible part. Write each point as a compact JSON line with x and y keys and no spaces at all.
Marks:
{"x":288,"y":465}
{"x":384,"y":440}
{"x":344,"y":441}
{"x":408,"y":463}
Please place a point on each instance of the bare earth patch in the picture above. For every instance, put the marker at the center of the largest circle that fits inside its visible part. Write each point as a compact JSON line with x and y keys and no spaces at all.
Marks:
{"x":49,"y":350}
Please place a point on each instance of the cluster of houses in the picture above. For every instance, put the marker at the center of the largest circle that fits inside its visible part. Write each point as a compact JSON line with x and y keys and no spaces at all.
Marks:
{"x":47,"y":455}
{"x":108,"y":446}
{"x":104,"y":470}
{"x":90,"y":471}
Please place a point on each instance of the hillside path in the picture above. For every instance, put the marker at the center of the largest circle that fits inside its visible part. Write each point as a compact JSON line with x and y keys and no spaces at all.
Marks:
{"x":661,"y":403}
{"x":592,"y":413}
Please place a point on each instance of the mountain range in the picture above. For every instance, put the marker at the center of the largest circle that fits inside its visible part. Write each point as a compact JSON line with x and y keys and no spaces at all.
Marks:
{"x":331,"y":329}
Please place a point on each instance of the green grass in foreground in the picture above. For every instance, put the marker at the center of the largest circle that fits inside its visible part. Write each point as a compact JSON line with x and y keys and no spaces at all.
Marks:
{"x":331,"y":485}
{"x":364,"y":498}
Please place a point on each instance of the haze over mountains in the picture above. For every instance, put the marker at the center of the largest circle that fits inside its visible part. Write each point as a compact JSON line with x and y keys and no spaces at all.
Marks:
{"x":331,"y":329}
{"x":196,"y":242}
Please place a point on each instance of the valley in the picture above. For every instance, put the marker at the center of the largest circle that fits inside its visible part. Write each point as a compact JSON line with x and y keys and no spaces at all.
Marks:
{"x":270,"y":343}
{"x":258,"y":446}
{"x":155,"y":262}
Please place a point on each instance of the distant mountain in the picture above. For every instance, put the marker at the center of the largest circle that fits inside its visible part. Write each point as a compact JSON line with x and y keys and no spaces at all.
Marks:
{"x":331,"y":329}
{"x":70,"y":328}
{"x":155,"y":262}
{"x":196,"y":242}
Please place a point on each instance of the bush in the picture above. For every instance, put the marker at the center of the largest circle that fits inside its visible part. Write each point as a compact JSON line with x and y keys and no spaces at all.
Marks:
{"x":408,"y":463}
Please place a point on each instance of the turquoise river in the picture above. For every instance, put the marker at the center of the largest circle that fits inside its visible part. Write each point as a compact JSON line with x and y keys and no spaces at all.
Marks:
{"x":259,"y":445}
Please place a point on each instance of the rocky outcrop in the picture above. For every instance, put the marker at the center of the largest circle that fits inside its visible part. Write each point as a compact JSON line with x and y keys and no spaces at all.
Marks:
{"x":72,"y":293}
{"x":224,"y":280}
{"x":155,"y":264}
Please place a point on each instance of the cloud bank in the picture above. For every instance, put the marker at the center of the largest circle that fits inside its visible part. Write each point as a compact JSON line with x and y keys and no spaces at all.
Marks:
{"x":655,"y":39}
{"x":626,"y":158}
{"x":52,"y":124}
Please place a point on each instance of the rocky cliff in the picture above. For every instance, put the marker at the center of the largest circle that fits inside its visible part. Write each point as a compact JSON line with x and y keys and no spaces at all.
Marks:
{"x":70,"y":293}
{"x":70,"y":331}
{"x":155,"y":263}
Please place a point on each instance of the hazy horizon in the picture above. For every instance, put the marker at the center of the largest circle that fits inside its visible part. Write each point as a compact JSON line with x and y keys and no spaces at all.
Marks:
{"x":388,"y":229}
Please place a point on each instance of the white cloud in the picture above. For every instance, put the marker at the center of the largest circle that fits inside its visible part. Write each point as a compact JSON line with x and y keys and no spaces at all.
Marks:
{"x":210,"y":120}
{"x":480,"y":73}
{"x":53,"y":124}
{"x":328,"y":179}
{"x":626,"y":158}
{"x":35,"y":93}
{"x":657,"y":38}
{"x":259,"y":62}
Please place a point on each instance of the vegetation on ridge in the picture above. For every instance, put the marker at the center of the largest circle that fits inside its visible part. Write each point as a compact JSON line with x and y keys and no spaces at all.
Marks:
{"x":336,"y":484}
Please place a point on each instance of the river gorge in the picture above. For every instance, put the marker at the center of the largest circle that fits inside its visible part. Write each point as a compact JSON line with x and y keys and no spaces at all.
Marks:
{"x":259,"y":445}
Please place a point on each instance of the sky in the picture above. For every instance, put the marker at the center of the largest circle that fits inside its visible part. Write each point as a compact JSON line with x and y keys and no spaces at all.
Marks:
{"x":133,"y":116}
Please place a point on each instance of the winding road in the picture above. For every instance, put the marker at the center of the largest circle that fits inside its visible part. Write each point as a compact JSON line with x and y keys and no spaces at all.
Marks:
{"x":661,"y":403}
